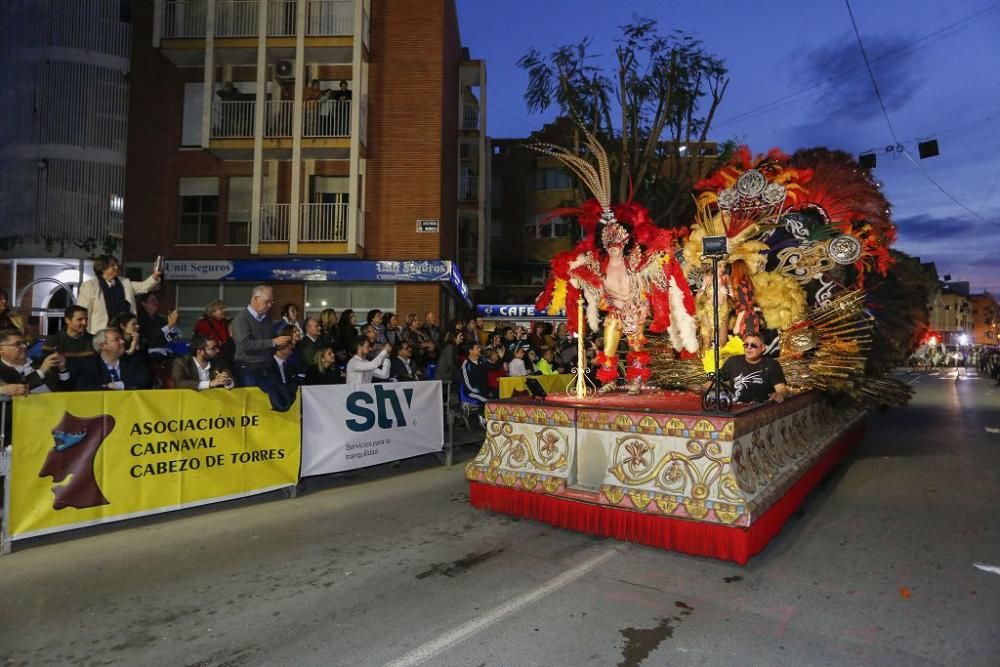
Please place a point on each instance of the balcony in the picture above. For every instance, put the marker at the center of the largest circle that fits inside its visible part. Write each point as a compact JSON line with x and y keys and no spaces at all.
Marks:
{"x":327,"y":118}
{"x":468,"y":262}
{"x":323,"y":223}
{"x":274,"y":222}
{"x":468,"y":187}
{"x":235,"y":119}
{"x":187,"y":19}
{"x":318,"y":223}
{"x":470,"y":117}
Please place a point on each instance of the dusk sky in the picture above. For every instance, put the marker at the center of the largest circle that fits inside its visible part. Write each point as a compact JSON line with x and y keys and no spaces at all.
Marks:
{"x":937,"y":65}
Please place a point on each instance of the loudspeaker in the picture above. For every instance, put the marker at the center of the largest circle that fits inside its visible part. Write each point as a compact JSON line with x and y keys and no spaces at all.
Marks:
{"x":928,"y":149}
{"x":867,"y":160}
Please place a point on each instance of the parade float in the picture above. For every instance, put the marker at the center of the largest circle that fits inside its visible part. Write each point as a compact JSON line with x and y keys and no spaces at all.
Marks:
{"x":781,"y":246}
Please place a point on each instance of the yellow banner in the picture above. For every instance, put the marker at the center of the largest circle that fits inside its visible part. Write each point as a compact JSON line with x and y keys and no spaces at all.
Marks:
{"x":552,"y":384}
{"x":81,"y":459}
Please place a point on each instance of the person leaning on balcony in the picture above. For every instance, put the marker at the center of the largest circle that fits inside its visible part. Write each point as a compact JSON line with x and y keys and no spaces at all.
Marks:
{"x":255,"y":345}
{"x":343,"y":94}
{"x":109,"y":295}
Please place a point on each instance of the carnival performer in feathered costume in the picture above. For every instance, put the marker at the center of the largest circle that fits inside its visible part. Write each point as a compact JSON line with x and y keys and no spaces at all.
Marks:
{"x":624,"y":267}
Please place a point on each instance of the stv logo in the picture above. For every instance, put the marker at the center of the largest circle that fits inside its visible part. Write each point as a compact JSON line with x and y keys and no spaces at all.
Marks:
{"x":359,"y":404}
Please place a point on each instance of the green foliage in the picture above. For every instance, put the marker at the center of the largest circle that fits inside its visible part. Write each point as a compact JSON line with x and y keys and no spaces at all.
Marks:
{"x":655,"y":103}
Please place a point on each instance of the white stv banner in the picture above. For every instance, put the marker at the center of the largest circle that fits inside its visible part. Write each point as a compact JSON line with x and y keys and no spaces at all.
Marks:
{"x":346,"y":427}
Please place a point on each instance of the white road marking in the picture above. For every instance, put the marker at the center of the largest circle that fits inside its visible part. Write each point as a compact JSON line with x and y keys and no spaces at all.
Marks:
{"x":466,"y":630}
{"x":995,"y":569}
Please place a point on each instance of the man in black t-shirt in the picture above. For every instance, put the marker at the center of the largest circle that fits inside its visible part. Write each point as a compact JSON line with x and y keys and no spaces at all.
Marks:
{"x":755,"y":378}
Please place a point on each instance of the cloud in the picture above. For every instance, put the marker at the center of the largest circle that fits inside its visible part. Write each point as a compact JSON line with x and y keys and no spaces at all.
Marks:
{"x":850,"y":97}
{"x":925,"y":227}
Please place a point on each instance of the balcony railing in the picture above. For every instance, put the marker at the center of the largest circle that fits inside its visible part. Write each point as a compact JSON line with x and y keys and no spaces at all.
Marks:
{"x":278,"y":115}
{"x":232,"y":120}
{"x":327,"y":118}
{"x":238,"y":18}
{"x":184,"y":18}
{"x":323,"y":223}
{"x":470,"y":117}
{"x":329,"y":17}
{"x":235,"y":119}
{"x":281,"y":18}
{"x":468,"y":187}
{"x":274,"y":222}
{"x":468,"y":259}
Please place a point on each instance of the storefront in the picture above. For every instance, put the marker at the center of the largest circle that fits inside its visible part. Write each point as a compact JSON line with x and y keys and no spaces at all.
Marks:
{"x":517,"y":314}
{"x":314,"y":285}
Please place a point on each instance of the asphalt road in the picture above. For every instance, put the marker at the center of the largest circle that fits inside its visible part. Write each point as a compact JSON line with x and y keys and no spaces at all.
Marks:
{"x":392,"y":566}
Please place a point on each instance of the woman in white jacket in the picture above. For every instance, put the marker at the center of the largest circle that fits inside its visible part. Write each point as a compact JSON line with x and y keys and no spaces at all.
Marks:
{"x":108,"y":292}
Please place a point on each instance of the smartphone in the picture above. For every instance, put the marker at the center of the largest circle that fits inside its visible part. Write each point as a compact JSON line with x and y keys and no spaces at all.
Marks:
{"x":158,"y":264}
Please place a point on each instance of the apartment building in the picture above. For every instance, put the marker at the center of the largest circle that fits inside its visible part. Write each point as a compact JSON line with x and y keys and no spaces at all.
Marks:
{"x":951,"y":314}
{"x":64,"y":68}
{"x":985,"y":319}
{"x":332,"y":148}
{"x":526,"y":187}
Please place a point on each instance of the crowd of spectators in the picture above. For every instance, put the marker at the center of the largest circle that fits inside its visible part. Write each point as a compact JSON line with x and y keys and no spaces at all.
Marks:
{"x":138,"y":345}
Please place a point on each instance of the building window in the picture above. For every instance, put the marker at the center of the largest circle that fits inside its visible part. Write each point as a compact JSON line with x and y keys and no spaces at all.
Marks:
{"x":552,"y":179}
{"x":360,"y":297}
{"x":191,"y":115}
{"x":538,"y":228}
{"x":238,"y":211}
{"x":192,"y":297}
{"x":199,"y":211}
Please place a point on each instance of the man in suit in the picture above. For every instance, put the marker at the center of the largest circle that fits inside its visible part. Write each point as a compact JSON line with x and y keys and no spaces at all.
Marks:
{"x":401,"y":367}
{"x":111,"y":369}
{"x":16,"y":369}
{"x":202,"y":369}
{"x":286,"y":375}
{"x":307,"y":348}
{"x":109,"y":295}
{"x":19,"y":378}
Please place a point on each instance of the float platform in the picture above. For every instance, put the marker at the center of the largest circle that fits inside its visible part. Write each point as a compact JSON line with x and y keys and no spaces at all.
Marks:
{"x":656,"y":470}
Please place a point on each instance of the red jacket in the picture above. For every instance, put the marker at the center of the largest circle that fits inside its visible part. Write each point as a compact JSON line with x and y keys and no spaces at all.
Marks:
{"x":213,"y":328}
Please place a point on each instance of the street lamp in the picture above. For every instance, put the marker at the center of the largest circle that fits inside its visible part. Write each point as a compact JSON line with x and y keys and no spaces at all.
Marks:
{"x":963,"y":339}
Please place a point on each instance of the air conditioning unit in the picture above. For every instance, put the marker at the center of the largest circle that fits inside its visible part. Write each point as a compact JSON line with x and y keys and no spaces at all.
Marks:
{"x":284,"y":69}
